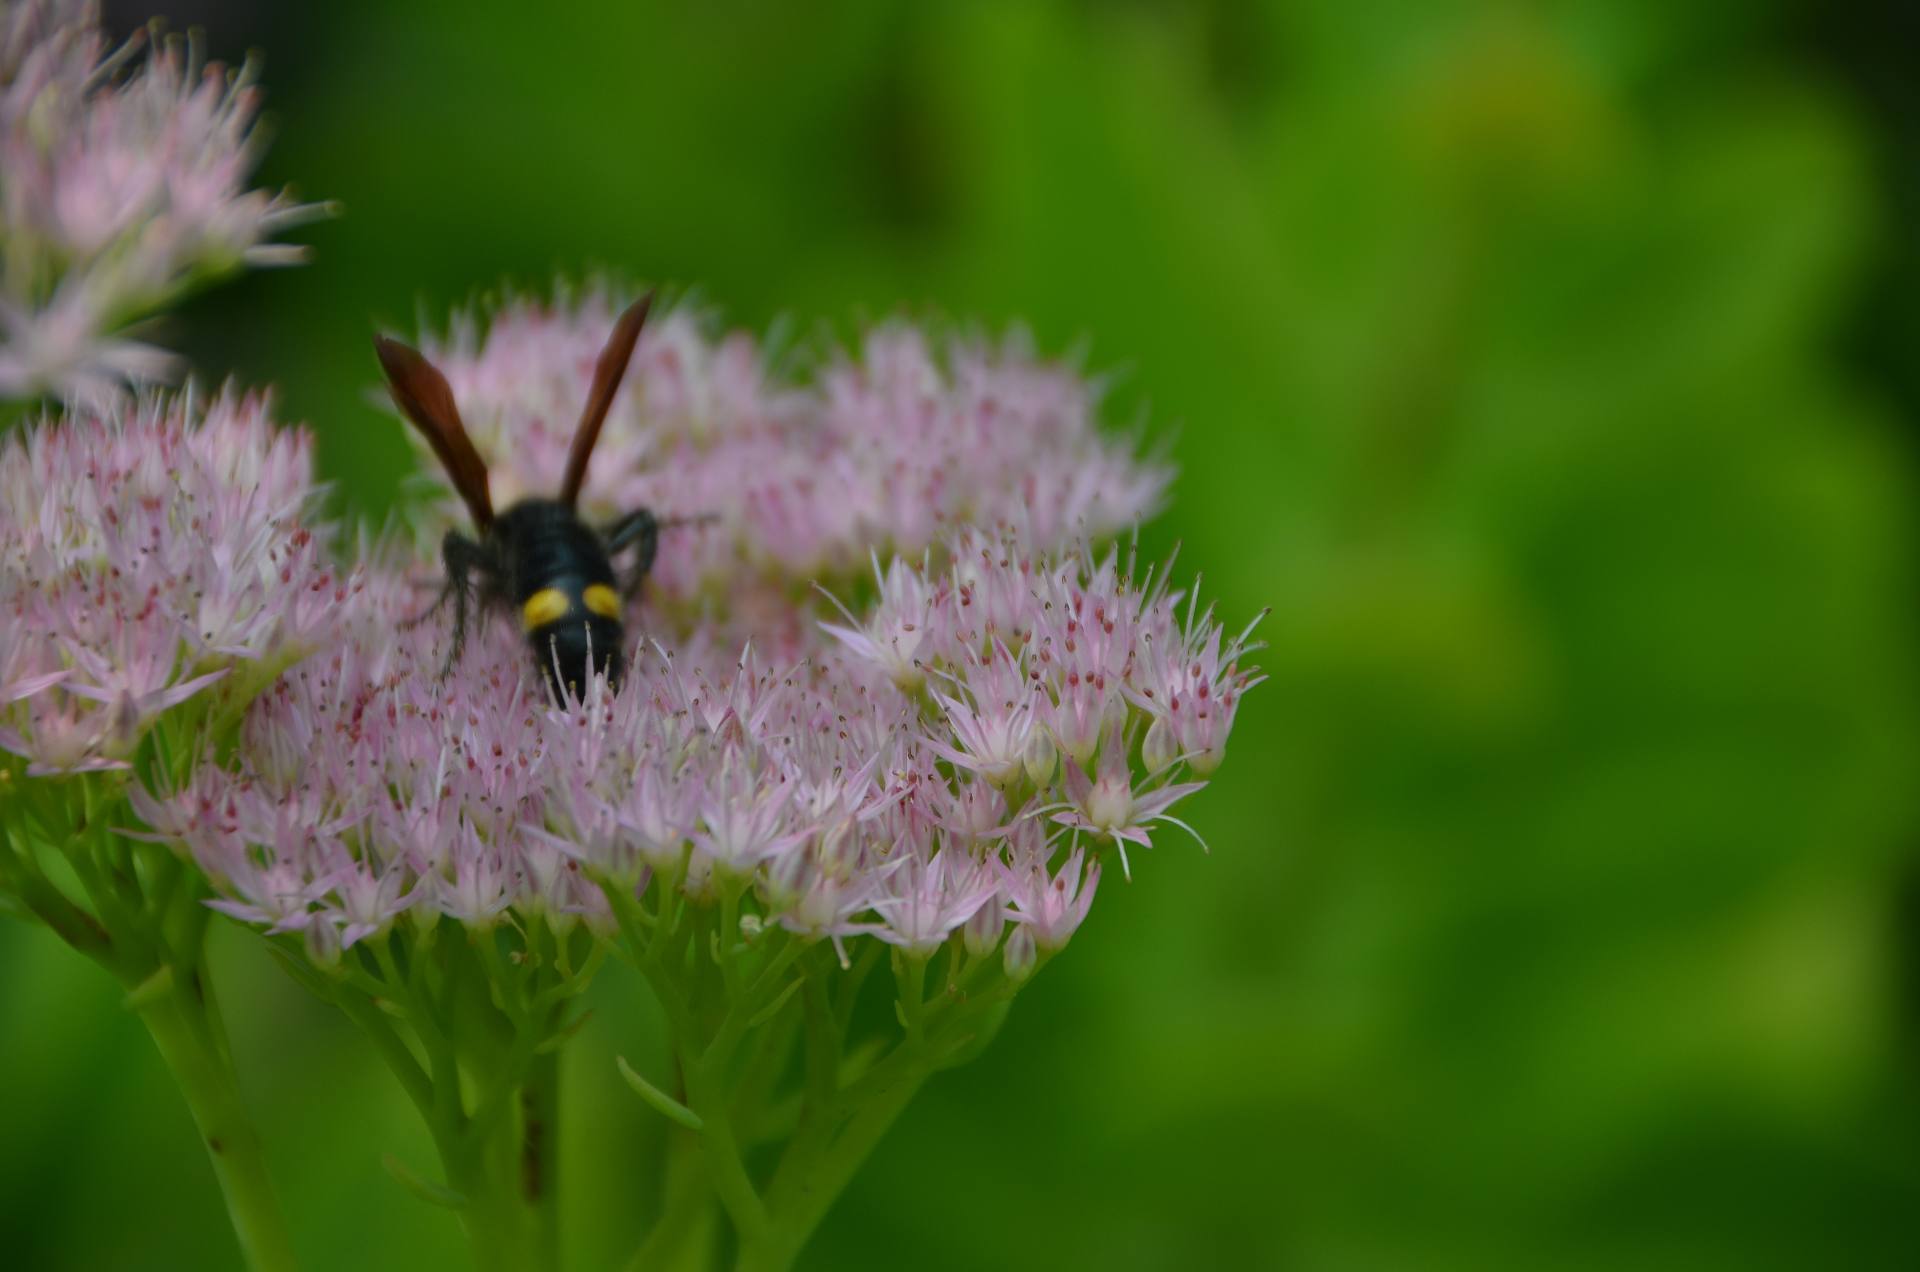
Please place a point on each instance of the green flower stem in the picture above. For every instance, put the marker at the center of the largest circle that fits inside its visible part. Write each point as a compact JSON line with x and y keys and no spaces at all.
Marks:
{"x":686,"y":1236}
{"x":137,"y":910}
{"x":480,"y":1167}
{"x":187,"y":1028}
{"x":69,"y":922}
{"x":500,"y":1226}
{"x":182,"y":1024}
{"x":709,"y":1097}
{"x":473,"y":1033}
{"x":737,"y":1001}
{"x":809,"y":1182}
{"x":540,"y":1154}
{"x":840,"y":1130}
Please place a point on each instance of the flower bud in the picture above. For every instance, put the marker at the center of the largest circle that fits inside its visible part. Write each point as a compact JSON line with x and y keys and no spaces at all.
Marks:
{"x":981,"y":932}
{"x":839,"y":851}
{"x":597,"y":915}
{"x":1109,"y":802}
{"x":1041,"y":759}
{"x":1203,"y":763}
{"x":785,"y":880}
{"x":1021,"y":954}
{"x":698,"y":881}
{"x":322,"y":940}
{"x":1158,"y":750}
{"x":425,"y":918}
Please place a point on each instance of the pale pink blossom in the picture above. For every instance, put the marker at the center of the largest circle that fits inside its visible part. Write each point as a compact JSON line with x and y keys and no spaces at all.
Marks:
{"x":1050,"y":905}
{"x":936,"y":889}
{"x":1108,"y":804}
{"x":891,"y":635}
{"x":123,"y":184}
{"x":151,"y":552}
{"x":1191,"y":685}
{"x":367,"y":787}
{"x":992,"y":719}
{"x":956,"y":747}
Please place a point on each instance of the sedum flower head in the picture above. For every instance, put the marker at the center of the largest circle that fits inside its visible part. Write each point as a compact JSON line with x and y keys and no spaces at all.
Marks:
{"x":123,"y":184}
{"x":951,"y":747}
{"x":150,"y":551}
{"x":808,"y":782}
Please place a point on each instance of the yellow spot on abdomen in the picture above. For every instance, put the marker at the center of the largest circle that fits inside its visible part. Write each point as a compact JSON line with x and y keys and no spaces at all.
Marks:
{"x":548,"y":605}
{"x":602,"y":600}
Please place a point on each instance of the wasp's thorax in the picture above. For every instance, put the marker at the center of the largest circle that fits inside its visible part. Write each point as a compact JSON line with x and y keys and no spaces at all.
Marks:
{"x":555,"y":571}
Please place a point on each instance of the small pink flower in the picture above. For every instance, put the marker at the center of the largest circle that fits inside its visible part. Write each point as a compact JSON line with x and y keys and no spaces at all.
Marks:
{"x":892,"y":634}
{"x":934,"y":891}
{"x":1191,"y":683}
{"x":743,"y":819}
{"x":1050,"y":906}
{"x":992,"y":720}
{"x":1107,"y":804}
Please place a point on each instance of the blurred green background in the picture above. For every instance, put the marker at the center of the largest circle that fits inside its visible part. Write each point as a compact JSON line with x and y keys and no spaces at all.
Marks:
{"x":1549,"y":368}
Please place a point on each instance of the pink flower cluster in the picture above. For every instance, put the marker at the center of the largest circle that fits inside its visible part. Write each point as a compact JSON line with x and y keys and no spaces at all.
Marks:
{"x":783,"y":479}
{"x":148,"y":551}
{"x":1042,"y":668}
{"x":122,"y":184}
{"x":849,"y":786}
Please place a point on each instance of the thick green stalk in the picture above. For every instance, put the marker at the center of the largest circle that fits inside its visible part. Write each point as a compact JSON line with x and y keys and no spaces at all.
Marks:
{"x":540,"y":1154}
{"x":497,"y":1231}
{"x":733,"y":1014}
{"x":487,"y":1085}
{"x":809,"y":1183}
{"x":180,"y":1022}
{"x":148,"y":927}
{"x":685,"y":1237}
{"x":500,"y":1226}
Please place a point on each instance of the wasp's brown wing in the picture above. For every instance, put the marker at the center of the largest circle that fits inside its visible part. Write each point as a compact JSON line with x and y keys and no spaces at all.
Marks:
{"x":425,"y":398}
{"x":607,"y":374}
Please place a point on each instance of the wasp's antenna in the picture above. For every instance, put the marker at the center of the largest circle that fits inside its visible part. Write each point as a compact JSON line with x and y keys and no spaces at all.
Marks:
{"x":607,"y":374}
{"x":426,"y":399}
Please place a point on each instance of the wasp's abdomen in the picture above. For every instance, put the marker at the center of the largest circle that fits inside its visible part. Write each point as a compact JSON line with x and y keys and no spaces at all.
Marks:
{"x":558,"y":576}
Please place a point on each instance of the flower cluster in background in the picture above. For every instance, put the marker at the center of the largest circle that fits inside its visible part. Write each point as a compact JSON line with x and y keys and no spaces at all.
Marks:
{"x":123,"y":185}
{"x":912,"y":439}
{"x":151,"y":550}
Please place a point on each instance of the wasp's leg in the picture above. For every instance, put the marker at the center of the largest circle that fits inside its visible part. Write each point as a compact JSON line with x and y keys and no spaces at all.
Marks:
{"x":639,"y":530}
{"x":450,"y":582}
{"x":463,"y":558}
{"x":446,"y":594}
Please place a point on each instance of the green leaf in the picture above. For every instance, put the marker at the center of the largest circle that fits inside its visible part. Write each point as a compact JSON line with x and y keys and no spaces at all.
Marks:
{"x":562,"y":1035}
{"x":772,"y":1009}
{"x":662,"y":1103}
{"x":425,"y":1189}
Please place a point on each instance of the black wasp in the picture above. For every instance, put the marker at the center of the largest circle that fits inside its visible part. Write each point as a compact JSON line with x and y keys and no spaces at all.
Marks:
{"x":538,"y":556}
